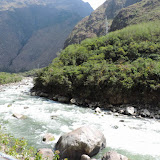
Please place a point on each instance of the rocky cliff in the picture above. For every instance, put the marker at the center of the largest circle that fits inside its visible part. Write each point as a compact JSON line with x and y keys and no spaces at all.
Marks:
{"x":33,"y":31}
{"x":95,"y":24}
{"x":144,"y":11}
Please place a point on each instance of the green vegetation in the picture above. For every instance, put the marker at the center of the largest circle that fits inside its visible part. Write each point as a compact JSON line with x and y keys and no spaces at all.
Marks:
{"x":30,"y":73}
{"x":19,"y":148}
{"x":122,"y":67}
{"x":9,"y":78}
{"x":144,"y":11}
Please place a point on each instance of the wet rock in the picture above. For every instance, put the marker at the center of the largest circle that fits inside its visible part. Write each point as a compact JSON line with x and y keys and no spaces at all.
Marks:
{"x":121,"y":111}
{"x":109,"y":112}
{"x":85,"y":157}
{"x":46,"y":153}
{"x":33,"y":93}
{"x":42,"y":94}
{"x":115,"y":127}
{"x":98,"y":110}
{"x":157,"y":116}
{"x":54,"y":116}
{"x":85,"y":140}
{"x":26,"y":107}
{"x":48,"y":137}
{"x":145,"y":113}
{"x":94,"y":104}
{"x":116,"y":114}
{"x":63,"y":99}
{"x":113,"y":155}
{"x":19,"y":116}
{"x":55,"y":98}
{"x":73,"y":101}
{"x":130,"y":110}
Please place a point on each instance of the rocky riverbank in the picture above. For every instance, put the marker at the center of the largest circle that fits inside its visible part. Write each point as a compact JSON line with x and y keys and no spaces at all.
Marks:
{"x":136,"y":110}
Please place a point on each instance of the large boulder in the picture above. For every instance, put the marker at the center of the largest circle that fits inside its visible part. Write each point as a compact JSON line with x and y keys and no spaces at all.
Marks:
{"x":113,"y":155}
{"x":85,"y":140}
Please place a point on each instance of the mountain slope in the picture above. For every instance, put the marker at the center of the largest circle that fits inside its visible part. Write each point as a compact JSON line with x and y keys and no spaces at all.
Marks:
{"x":95,"y":24}
{"x":144,"y":11}
{"x":33,"y":31}
{"x":122,"y":67}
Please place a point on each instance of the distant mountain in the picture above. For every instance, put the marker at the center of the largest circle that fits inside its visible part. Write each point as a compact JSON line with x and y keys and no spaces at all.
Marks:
{"x":33,"y":31}
{"x":144,"y":11}
{"x":95,"y":24}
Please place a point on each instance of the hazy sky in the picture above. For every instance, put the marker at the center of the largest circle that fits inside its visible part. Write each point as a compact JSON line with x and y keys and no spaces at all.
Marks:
{"x":95,"y":3}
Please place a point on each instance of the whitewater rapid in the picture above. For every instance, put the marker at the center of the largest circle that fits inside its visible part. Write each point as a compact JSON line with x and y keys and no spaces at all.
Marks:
{"x":139,"y":139}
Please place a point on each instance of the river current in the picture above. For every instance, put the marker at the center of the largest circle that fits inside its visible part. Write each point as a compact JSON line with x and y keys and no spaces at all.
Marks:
{"x":138,"y":139}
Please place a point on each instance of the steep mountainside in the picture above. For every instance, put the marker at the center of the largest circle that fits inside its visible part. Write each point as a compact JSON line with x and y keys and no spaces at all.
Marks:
{"x":33,"y":31}
{"x":146,"y":10}
{"x":95,"y":24}
{"x":120,"y":68}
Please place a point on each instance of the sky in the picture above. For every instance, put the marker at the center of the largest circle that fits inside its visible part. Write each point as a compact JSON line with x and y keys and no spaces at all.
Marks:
{"x":95,"y":3}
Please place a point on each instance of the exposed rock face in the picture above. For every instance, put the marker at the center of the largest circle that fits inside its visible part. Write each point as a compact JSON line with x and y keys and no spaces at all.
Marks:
{"x":95,"y":24}
{"x":46,"y":153}
{"x":140,"y":12}
{"x":84,"y":140}
{"x":32,"y":32}
{"x":114,"y":156}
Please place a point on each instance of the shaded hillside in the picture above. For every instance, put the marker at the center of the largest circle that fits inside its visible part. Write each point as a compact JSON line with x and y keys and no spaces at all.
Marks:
{"x":122,"y":67}
{"x":32,"y":32}
{"x":144,"y":11}
{"x":95,"y":24}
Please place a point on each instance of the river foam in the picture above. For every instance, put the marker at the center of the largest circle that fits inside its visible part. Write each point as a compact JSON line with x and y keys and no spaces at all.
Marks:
{"x":139,"y":139}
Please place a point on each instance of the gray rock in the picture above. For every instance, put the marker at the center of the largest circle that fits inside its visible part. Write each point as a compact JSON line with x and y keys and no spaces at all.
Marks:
{"x":48,"y":137}
{"x":26,"y":107}
{"x":54,"y":116}
{"x":73,"y":101}
{"x":42,"y":94}
{"x":46,"y":153}
{"x":33,"y":93}
{"x":55,"y":98}
{"x":85,"y":140}
{"x":145,"y":113}
{"x":19,"y":116}
{"x":130,"y":110}
{"x":85,"y":157}
{"x":158,"y":112}
{"x":116,"y":114}
{"x":63,"y":99}
{"x":98,"y":110}
{"x":113,"y":155}
{"x":157,"y":116}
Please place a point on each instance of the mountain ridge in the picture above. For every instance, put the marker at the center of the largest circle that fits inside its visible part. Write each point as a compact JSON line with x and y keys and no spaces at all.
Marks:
{"x":95,"y":24}
{"x":29,"y":31}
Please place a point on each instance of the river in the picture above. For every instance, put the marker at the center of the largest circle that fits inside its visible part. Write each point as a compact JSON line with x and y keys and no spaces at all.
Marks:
{"x":138,"y":139}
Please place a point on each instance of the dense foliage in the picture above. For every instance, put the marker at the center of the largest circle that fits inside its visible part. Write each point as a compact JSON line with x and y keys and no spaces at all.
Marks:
{"x":19,"y":148}
{"x":9,"y":78}
{"x":124,"y":63}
